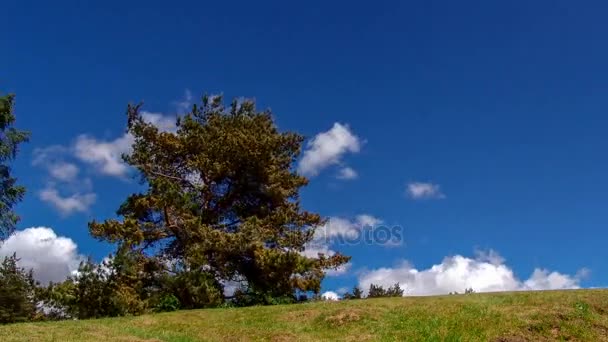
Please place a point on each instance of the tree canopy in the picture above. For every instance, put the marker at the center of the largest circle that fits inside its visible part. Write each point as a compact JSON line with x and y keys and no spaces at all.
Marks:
{"x":222,"y":200}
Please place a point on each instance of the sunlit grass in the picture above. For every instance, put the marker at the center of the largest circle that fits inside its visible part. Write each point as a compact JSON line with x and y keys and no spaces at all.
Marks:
{"x":524,"y":316}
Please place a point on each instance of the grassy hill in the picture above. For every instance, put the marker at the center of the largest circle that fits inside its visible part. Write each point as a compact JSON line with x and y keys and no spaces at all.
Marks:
{"x":535,"y":316}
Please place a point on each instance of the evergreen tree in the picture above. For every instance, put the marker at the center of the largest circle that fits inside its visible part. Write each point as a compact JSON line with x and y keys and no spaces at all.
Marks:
{"x":111,"y":288}
{"x":222,"y":201}
{"x":394,"y":291}
{"x":10,"y":192}
{"x":357,"y":293}
{"x":376,"y":291}
{"x":17,"y":292}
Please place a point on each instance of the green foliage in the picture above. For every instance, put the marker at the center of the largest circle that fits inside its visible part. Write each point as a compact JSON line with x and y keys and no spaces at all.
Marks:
{"x":379,"y":291}
{"x":99,"y":290}
{"x":357,"y":293}
{"x":10,"y":192}
{"x":222,"y":203}
{"x":582,"y":309}
{"x":250,"y":297}
{"x":167,"y":303}
{"x":17,"y":292}
{"x":194,"y":289}
{"x":376,"y":291}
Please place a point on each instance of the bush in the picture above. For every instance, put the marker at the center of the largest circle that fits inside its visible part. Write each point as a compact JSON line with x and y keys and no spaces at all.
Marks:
{"x":249,"y":297}
{"x":168,"y":303}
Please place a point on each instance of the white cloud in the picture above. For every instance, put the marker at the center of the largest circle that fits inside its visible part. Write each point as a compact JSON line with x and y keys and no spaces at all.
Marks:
{"x":67,"y":205}
{"x":52,"y":257}
{"x":51,"y":158}
{"x":335,"y":228}
{"x":347,"y":173}
{"x":68,"y":192}
{"x":327,"y":148}
{"x":338,"y":226}
{"x":330,"y":295}
{"x":419,"y":190}
{"x":365,"y":220}
{"x":163,"y":122}
{"x":106,"y":156}
{"x":457,"y":273}
{"x":64,"y":174}
{"x":63,"y":171}
{"x":341,"y":270}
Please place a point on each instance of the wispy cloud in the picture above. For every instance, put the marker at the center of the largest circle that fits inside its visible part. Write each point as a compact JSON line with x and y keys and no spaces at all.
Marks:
{"x":64,"y":175}
{"x":185,"y":104}
{"x":347,"y":173}
{"x":338,"y":229}
{"x":67,"y":205}
{"x":420,"y":191}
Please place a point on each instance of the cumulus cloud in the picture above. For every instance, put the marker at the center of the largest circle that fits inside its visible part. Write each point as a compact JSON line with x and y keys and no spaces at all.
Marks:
{"x":67,"y":205}
{"x":347,"y":173}
{"x":52,"y":257}
{"x":328,"y":148}
{"x":106,"y":156}
{"x":419,"y":190}
{"x":330,"y":295}
{"x":486,"y":273}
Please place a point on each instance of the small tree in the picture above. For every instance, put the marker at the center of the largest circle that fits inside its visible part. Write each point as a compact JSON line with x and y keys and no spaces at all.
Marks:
{"x":111,"y":288}
{"x":17,"y":292}
{"x":394,"y":291}
{"x":357,"y":293}
{"x":376,"y":291}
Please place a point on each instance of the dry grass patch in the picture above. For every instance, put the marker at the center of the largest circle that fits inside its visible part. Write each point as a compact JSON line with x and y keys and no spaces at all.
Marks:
{"x":344,"y":317}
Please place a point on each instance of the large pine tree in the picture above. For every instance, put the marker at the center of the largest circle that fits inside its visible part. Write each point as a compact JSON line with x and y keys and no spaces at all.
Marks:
{"x":222,"y":198}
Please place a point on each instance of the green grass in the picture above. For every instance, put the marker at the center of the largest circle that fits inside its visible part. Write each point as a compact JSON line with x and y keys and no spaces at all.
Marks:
{"x":579,"y":315}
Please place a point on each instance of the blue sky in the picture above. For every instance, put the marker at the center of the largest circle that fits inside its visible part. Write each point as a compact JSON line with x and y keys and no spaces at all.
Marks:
{"x":495,"y":111}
